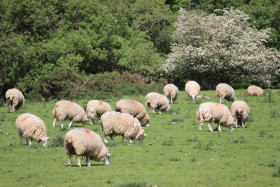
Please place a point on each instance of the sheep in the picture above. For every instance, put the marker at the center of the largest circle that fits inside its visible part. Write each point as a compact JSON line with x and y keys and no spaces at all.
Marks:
{"x":14,"y":99}
{"x":240,"y":111}
{"x":226,"y":92}
{"x":96,"y":107}
{"x":117,"y":123}
{"x":254,"y":91}
{"x":171,"y":92}
{"x":192,"y":88}
{"x":67,"y":110}
{"x":84,"y":142}
{"x":134,"y":108}
{"x":218,"y":113}
{"x":157,"y":101}
{"x":31,"y":127}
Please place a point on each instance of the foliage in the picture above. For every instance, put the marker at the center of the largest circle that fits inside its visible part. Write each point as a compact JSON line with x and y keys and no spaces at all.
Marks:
{"x":213,"y":49}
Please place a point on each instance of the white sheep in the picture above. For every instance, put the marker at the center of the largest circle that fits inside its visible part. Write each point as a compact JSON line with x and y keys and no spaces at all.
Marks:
{"x":14,"y":99}
{"x":171,"y":92}
{"x":215,"y":112}
{"x":117,"y":123}
{"x":192,"y":88}
{"x":240,"y":111}
{"x":225,"y":91}
{"x":134,"y":108}
{"x":96,"y":107}
{"x":157,"y":101}
{"x":254,"y":91}
{"x":67,"y":110}
{"x":84,"y":142}
{"x":31,"y":127}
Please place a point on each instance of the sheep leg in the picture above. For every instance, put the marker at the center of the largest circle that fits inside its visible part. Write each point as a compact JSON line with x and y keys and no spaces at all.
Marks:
{"x":112,"y":139}
{"x":219,"y":127}
{"x":210,"y":128}
{"x":79,"y":161}
{"x":159,"y":112}
{"x":220,"y":100}
{"x":70,"y":123}
{"x":96,"y":121}
{"x":10,"y":107}
{"x":54,"y":120}
{"x":123,"y":138}
{"x":243,"y":124}
{"x":69,"y":160}
{"x":236,"y":123}
{"x":27,"y":144}
{"x":20,"y":137}
{"x":105,"y":139}
{"x":13,"y":108}
{"x":201,"y":123}
{"x":171,"y":100}
{"x":61,"y":124}
{"x":87,"y":161}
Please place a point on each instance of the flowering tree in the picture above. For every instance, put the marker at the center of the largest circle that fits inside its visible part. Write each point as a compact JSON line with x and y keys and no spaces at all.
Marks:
{"x":221,"y":48}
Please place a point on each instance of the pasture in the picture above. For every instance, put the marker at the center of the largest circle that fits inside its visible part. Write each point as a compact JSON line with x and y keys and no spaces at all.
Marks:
{"x":174,"y":153}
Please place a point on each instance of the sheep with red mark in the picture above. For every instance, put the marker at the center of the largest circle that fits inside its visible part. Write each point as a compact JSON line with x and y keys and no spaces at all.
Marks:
{"x":84,"y":142}
{"x":134,"y":108}
{"x":225,"y":91}
{"x":117,"y":123}
{"x":156,"y":101}
{"x":67,"y":110}
{"x":14,"y":99}
{"x":254,"y":91}
{"x":32,"y":128}
{"x":240,"y":111}
{"x":215,"y":112}
{"x":171,"y":92}
{"x":97,"y":108}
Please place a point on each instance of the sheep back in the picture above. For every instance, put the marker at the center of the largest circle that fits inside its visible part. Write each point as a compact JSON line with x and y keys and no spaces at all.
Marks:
{"x":157,"y":101}
{"x":254,"y":91}
{"x":171,"y":91}
{"x":67,"y":110}
{"x":116,"y":123}
{"x":225,"y":91}
{"x":84,"y":142}
{"x":134,"y":108}
{"x":96,"y":107}
{"x":31,"y":126}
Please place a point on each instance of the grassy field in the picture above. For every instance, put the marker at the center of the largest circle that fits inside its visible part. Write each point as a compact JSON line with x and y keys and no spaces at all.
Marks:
{"x":174,"y":153}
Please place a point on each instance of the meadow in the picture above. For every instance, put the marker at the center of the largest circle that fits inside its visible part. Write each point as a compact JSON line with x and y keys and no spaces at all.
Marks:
{"x":174,"y":153}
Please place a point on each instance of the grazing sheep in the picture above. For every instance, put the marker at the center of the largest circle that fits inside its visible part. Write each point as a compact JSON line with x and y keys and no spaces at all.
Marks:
{"x":96,"y":107}
{"x":67,"y":110}
{"x":215,"y":112}
{"x":192,"y":88}
{"x":84,"y":142}
{"x":240,"y":111}
{"x":225,"y":91}
{"x":15,"y":99}
{"x":171,"y":92}
{"x":157,"y":101}
{"x":134,"y":108}
{"x":116,"y":123}
{"x":254,"y":91}
{"x":31,"y":127}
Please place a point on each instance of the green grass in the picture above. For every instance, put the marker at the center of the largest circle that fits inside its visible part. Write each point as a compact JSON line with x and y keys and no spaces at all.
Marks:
{"x":174,"y":153}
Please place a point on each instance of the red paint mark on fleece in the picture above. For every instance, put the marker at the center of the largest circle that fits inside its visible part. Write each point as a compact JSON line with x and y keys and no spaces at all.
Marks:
{"x":89,"y":134}
{"x":217,"y":104}
{"x":100,"y":103}
{"x":71,"y":103}
{"x":87,"y":131}
{"x":26,"y":117}
{"x":133,"y":102}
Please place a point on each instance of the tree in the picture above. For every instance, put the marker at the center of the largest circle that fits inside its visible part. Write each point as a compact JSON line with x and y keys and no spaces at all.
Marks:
{"x":213,"y":49}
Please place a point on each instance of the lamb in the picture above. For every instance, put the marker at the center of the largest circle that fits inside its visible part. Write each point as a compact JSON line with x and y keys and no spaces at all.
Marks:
{"x":254,"y":91}
{"x":96,"y":107}
{"x":192,"y":88}
{"x":134,"y":108}
{"x":84,"y":142}
{"x":240,"y":111}
{"x":15,"y":99}
{"x":31,"y":127}
{"x":215,"y":112}
{"x":67,"y":110}
{"x":117,"y":123}
{"x":225,"y":91}
{"x":171,"y":92}
{"x":157,"y":101}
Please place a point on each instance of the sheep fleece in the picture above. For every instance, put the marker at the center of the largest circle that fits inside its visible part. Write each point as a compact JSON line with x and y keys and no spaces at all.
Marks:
{"x":84,"y":142}
{"x":31,"y":126}
{"x":16,"y":96}
{"x":240,"y":110}
{"x":157,"y":101}
{"x":224,"y":90}
{"x":96,"y":107}
{"x":254,"y":91}
{"x":171,"y":91}
{"x":192,"y":88}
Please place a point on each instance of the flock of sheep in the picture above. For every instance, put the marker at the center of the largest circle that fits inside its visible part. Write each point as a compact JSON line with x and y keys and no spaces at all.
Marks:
{"x":127,"y":120}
